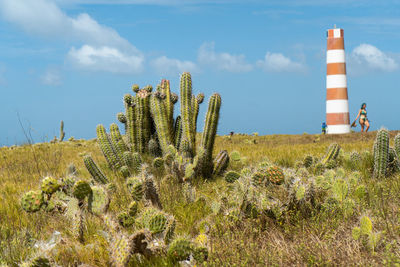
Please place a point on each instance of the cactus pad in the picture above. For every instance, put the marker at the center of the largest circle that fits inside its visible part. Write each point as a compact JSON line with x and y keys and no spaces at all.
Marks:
{"x":49,"y":185}
{"x":135,"y":187}
{"x":81,"y":190}
{"x":32,"y":201}
{"x":275,"y":175}
{"x":180,"y":249}
{"x":231,"y":176}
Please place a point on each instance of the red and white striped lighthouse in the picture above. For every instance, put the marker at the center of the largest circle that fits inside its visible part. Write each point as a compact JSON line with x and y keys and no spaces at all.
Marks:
{"x":337,"y":104}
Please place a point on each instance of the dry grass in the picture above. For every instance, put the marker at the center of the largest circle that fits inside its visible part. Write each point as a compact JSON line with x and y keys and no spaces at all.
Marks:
{"x":323,"y":239}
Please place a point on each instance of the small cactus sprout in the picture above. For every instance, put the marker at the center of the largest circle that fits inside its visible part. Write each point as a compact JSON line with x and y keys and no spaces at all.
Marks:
{"x":275,"y":175}
{"x":121,"y":117}
{"x":133,"y":208}
{"x":308,"y":161}
{"x":135,"y":88}
{"x":125,"y":219}
{"x":221,"y":162}
{"x":174,"y":98}
{"x":32,"y":201}
{"x":231,"y":176}
{"x":135,"y":187}
{"x":180,"y":249}
{"x":81,"y":190}
{"x":49,"y":185}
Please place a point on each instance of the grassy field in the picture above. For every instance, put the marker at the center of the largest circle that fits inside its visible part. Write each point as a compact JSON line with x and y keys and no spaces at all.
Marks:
{"x":323,"y":237}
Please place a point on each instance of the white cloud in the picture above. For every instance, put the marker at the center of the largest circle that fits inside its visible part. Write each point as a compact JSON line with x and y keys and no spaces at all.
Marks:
{"x":165,"y":65}
{"x":51,"y":77}
{"x":277,"y":62}
{"x":222,"y":61}
{"x":105,"y":59}
{"x":367,"y":57}
{"x":44,"y":18}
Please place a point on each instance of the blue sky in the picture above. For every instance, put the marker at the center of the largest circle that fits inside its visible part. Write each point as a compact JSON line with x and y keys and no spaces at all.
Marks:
{"x":73,"y":60}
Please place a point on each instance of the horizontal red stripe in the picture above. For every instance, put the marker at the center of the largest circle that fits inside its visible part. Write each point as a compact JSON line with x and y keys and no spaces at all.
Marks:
{"x":336,"y":93}
{"x":335,"y":43}
{"x":337,"y":118}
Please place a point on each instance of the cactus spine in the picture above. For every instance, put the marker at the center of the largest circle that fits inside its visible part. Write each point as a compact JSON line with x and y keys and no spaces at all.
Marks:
{"x":381,"y":153}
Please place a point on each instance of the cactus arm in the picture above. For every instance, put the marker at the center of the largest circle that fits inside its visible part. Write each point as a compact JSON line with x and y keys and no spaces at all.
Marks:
{"x":177,"y":132}
{"x":142,"y":119}
{"x":94,"y":170}
{"x":186,"y":110}
{"x":107,"y":148}
{"x":159,"y":114}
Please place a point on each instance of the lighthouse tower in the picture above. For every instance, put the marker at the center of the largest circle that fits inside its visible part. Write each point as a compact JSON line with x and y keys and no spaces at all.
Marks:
{"x":337,"y":105}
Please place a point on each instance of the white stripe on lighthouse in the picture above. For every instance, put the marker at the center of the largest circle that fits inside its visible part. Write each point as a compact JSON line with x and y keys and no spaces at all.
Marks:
{"x":335,"y":56}
{"x":336,"y":81}
{"x":337,"y":106}
{"x":338,"y":129}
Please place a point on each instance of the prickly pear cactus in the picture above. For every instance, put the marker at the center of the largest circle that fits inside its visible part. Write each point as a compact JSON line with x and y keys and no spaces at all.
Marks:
{"x":135,"y":187}
{"x":169,"y":230}
{"x":99,"y":200}
{"x":258,"y":178}
{"x":81,"y":189}
{"x":180,"y":249}
{"x":231,"y":176}
{"x":157,"y":223}
{"x":120,"y":250}
{"x":133,"y":208}
{"x":49,"y":185}
{"x":32,"y":201}
{"x":275,"y":175}
{"x":125,"y":219}
{"x":381,"y":153}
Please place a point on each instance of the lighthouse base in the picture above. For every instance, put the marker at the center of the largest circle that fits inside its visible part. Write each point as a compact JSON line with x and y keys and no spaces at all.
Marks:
{"x":338,"y":129}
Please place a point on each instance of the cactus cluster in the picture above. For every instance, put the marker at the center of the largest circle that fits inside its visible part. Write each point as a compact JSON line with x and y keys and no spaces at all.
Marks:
{"x":150,"y":127}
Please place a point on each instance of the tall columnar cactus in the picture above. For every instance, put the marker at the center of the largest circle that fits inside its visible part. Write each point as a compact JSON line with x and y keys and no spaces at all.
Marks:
{"x":221,"y":162}
{"x":188,"y":135}
{"x":177,"y":132}
{"x":130,"y":115}
{"x":142,"y":120}
{"x":117,"y":141}
{"x":397,"y":145}
{"x":160,"y":117}
{"x":332,"y":153}
{"x":114,"y":161}
{"x":94,"y":170}
{"x":209,"y":134}
{"x":381,"y":153}
{"x":62,"y":133}
{"x":169,"y":105}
